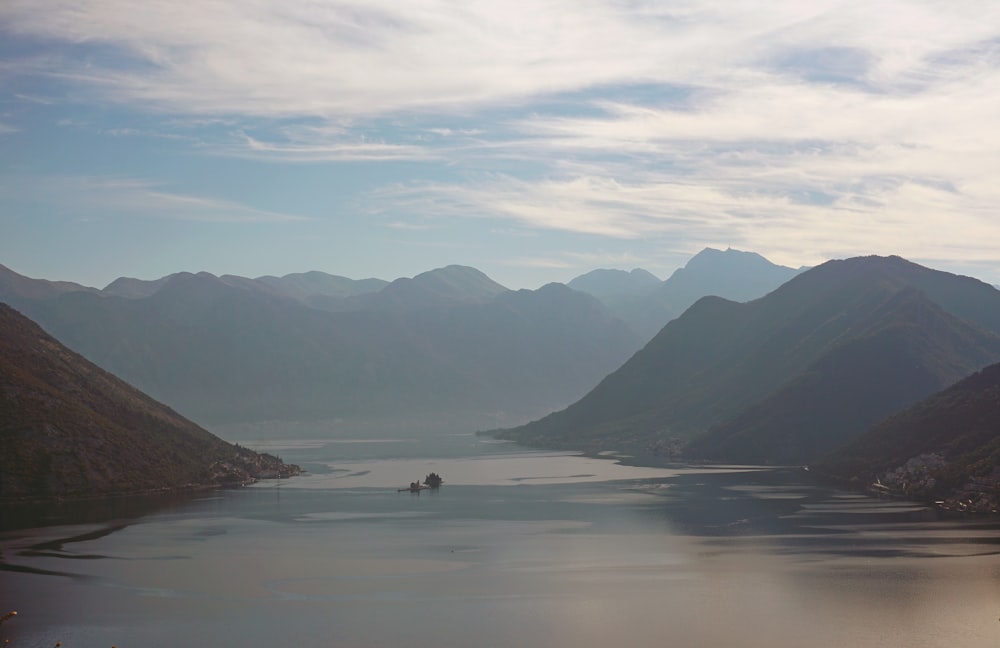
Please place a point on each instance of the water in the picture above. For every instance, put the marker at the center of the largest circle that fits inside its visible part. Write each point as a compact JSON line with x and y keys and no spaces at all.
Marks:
{"x":516,"y":549}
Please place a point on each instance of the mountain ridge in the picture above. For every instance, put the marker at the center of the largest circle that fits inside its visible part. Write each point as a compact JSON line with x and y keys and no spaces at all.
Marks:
{"x":708,"y":366}
{"x":229,"y":351}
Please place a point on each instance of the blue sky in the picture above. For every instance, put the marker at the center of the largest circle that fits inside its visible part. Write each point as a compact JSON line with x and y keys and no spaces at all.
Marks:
{"x":535,"y":141}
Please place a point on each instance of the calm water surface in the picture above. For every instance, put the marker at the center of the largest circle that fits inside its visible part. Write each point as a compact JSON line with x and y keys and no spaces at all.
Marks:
{"x":517,"y":549}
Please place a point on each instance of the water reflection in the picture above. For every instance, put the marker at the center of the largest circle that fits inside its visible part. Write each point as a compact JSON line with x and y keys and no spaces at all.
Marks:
{"x":544,"y":550}
{"x":15,"y":516}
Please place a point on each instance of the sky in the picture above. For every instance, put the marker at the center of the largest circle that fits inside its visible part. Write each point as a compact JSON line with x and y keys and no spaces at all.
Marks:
{"x":533,"y":140}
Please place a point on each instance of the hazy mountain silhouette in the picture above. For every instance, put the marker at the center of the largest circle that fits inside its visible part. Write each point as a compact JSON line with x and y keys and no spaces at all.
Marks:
{"x":611,"y":283}
{"x":71,"y":429}
{"x":314,"y":288}
{"x":647,"y":306}
{"x":733,"y":274}
{"x":432,"y":289}
{"x":15,"y":286}
{"x":134,"y":288}
{"x":308,"y":286}
{"x":794,"y":373}
{"x":449,"y":340}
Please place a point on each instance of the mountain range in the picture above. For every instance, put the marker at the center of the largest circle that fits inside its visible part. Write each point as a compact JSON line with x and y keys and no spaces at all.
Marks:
{"x":790,"y":376}
{"x":447,"y":344}
{"x":825,"y":366}
{"x":70,"y":429}
{"x":227,"y":349}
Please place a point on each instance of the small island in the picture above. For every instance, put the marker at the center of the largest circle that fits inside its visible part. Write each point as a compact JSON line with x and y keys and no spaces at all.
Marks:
{"x":431,"y":481}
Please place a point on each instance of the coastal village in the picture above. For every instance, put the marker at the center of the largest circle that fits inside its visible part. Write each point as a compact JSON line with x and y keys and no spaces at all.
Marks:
{"x":917,"y":479}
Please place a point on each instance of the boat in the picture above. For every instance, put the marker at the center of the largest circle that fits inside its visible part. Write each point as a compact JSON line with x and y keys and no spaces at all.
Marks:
{"x":433,"y":480}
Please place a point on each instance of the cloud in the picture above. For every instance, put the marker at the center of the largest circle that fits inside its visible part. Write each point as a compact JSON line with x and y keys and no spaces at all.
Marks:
{"x":44,"y":101}
{"x":378,"y":57}
{"x":885,"y":216}
{"x":802,"y":130}
{"x":111,"y":197}
{"x":582,"y":260}
{"x":326,"y":149}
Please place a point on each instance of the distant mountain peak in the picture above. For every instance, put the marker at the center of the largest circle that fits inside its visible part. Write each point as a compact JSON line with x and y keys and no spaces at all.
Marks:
{"x":732,"y":274}
{"x":450,"y":284}
{"x":605,"y":282}
{"x":712,"y":259}
{"x":461,"y":276}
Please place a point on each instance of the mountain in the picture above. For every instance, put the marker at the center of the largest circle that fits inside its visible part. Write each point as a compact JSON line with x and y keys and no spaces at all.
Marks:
{"x":70,"y":429}
{"x":309,"y":285}
{"x":446,"y":342}
{"x":732,"y":274}
{"x":314,"y":288}
{"x":792,"y":374}
{"x":945,"y":446}
{"x":18,"y":286}
{"x":609,"y":283}
{"x":134,"y":288}
{"x":910,"y":348}
{"x":432,"y":289}
{"x":646,"y":306}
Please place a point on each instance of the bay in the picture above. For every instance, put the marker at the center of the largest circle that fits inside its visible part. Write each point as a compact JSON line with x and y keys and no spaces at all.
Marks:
{"x":518,"y":548}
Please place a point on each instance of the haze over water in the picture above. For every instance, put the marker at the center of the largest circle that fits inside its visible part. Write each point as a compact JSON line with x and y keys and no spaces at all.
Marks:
{"x":517,"y":548}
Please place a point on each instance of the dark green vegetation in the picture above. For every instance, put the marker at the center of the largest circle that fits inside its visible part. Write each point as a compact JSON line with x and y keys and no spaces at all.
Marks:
{"x":793,"y":375}
{"x":646,"y":304}
{"x":70,"y":429}
{"x":947,"y":443}
{"x":231,"y":349}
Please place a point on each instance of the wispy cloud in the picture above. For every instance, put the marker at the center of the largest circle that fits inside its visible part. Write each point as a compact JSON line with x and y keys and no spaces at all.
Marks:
{"x":378,"y":57}
{"x":802,"y":130}
{"x":338,"y":149}
{"x":582,"y":260}
{"x":111,"y":197}
{"x":44,"y":101}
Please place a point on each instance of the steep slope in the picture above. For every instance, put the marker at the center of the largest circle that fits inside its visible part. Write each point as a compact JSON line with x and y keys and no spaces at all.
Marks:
{"x":734,"y":366}
{"x":70,"y":429}
{"x":948,"y":443}
{"x":910,"y":349}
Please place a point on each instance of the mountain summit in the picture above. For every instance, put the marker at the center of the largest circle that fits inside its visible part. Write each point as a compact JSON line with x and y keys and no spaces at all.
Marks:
{"x":646,"y":303}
